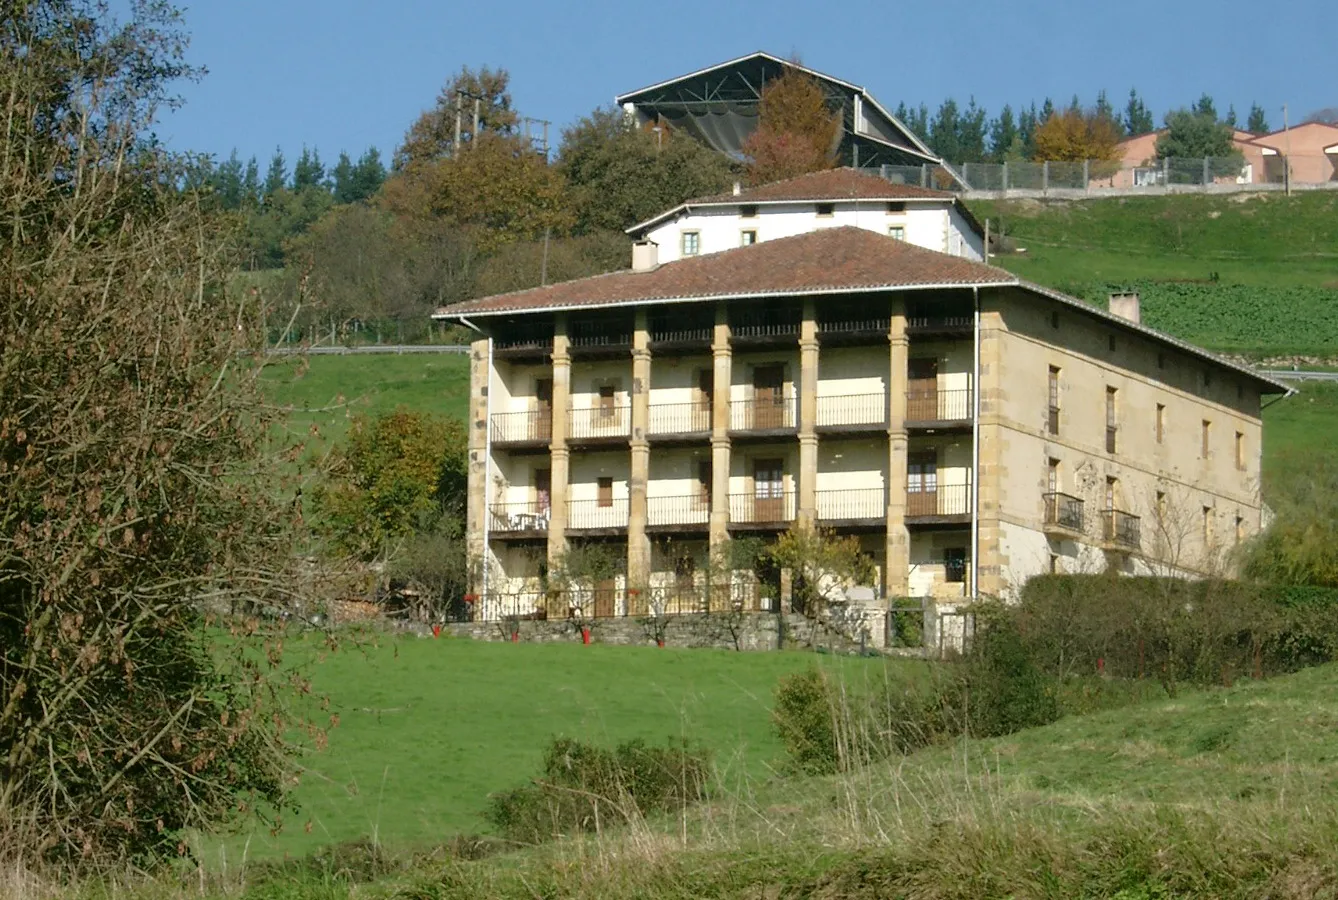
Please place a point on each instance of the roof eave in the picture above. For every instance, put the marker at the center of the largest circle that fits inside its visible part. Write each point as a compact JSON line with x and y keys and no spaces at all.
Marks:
{"x":744,"y":201}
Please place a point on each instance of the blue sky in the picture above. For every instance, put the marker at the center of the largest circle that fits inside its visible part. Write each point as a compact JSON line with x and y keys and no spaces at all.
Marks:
{"x":342,"y":74}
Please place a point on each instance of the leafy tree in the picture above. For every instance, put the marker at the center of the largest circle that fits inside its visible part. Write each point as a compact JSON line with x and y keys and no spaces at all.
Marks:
{"x":501,"y":190}
{"x":309,"y":171}
{"x":1194,"y":134}
{"x":1074,"y":135}
{"x":620,"y":175}
{"x":276,"y":176}
{"x":1258,"y":121}
{"x":138,"y":496}
{"x":1005,"y":138}
{"x":1300,"y":547}
{"x":432,"y":136}
{"x":1327,"y":116}
{"x":821,"y":564}
{"x":524,"y":264}
{"x":1137,"y":119}
{"x":284,"y":215}
{"x":397,"y":475}
{"x":796,"y":132}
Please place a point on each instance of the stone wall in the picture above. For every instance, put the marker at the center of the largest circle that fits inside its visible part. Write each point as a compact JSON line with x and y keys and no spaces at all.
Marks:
{"x":742,"y":631}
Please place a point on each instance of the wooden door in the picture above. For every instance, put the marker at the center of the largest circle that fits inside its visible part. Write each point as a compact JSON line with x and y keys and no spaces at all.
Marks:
{"x":543,"y":490}
{"x":922,"y":484}
{"x":542,"y":427}
{"x":605,"y":598}
{"x":769,"y":397}
{"x":768,"y":490}
{"x":922,"y":389}
{"x":606,"y":410}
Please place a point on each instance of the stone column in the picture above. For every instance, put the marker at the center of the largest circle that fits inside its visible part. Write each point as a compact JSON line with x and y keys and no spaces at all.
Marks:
{"x":477,"y":504}
{"x":559,"y":454}
{"x":722,"y":373}
{"x":992,"y":478}
{"x":638,"y":544}
{"x":897,"y":568}
{"x":808,"y":416}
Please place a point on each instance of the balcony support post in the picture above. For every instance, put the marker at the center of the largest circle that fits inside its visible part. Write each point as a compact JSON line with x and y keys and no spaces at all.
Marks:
{"x":898,"y":552}
{"x":559,"y":455}
{"x":722,"y":374}
{"x":480,"y":372}
{"x":638,"y":543}
{"x":808,"y":416}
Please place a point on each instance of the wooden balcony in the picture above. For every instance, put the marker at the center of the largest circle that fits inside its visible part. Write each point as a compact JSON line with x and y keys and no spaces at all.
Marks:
{"x":940,"y":326}
{"x":944,"y":504}
{"x":850,"y":330}
{"x":776,"y":417}
{"x":762,"y":510}
{"x":935,"y":410}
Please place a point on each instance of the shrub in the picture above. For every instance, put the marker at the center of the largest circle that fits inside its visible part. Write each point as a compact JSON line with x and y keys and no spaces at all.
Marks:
{"x":1006,"y":690}
{"x":584,"y":787}
{"x":804,"y":717}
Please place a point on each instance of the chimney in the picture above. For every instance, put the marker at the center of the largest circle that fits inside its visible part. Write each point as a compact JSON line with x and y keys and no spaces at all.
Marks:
{"x":1125,"y":305}
{"x":738,"y":188}
{"x":645,"y":256}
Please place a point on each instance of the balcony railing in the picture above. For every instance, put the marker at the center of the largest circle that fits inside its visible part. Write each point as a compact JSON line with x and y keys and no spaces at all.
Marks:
{"x":939,"y":406}
{"x":699,"y":598}
{"x":687,"y":509}
{"x":679,"y":418}
{"x":603,"y":513}
{"x":520,"y":427}
{"x":939,"y":325}
{"x":765,"y":327}
{"x":594,"y":339}
{"x":524,"y":342}
{"x":855,"y":325}
{"x":852,"y":410}
{"x":1063,"y":511}
{"x":522,"y":605}
{"x":847,"y":505}
{"x":526,"y":516}
{"x":680,"y":333}
{"x":944,"y":500}
{"x":761,"y":507}
{"x":762,"y":415}
{"x":1121,"y":528}
{"x":600,"y":422}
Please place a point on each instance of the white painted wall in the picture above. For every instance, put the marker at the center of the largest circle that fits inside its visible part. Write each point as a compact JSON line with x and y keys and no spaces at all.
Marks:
{"x":934,"y":225}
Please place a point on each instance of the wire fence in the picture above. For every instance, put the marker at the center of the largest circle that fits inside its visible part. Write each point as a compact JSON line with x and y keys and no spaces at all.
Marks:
{"x":1250,"y":171}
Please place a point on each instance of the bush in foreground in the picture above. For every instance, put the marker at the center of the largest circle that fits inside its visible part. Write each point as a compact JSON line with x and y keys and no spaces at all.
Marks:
{"x":584,"y":787}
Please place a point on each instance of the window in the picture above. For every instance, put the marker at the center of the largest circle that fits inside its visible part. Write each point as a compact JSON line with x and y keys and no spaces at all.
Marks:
{"x":692,"y":243}
{"x":1054,"y":320}
{"x":1052,"y":476}
{"x":1111,"y":423}
{"x":1240,"y":451}
{"x":954,"y":565}
{"x":1161,"y":422}
{"x":543,"y":490}
{"x":897,"y":232}
{"x":826,"y":209}
{"x":605,"y":492}
{"x":1112,"y":492}
{"x":1207,"y":525}
{"x":747,"y":237}
{"x":748,"y":212}
{"x":1161,"y":507}
{"x":1052,"y":421}
{"x":896,"y":206}
{"x":1240,"y":529}
{"x":922,"y":484}
{"x":1206,"y":445}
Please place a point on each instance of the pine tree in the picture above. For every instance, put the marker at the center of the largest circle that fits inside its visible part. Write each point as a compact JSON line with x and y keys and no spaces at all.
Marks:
{"x":915,"y":119}
{"x":1204,"y":107}
{"x":251,"y":183}
{"x":1231,"y":115}
{"x":1003,"y":135}
{"x":309,"y":172}
{"x":1137,"y":119}
{"x":1105,"y":111}
{"x":971,"y":133}
{"x":1027,"y":121}
{"x":369,"y":173}
{"x":227,"y":182}
{"x":276,"y":177}
{"x":342,"y":176}
{"x":943,"y":132}
{"x":1258,"y":122}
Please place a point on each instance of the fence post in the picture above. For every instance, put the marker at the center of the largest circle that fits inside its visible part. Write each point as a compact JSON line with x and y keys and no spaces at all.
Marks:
{"x":1005,"y":174}
{"x":1166,"y":173}
{"x":1086,"y":175}
{"x":924,"y":174}
{"x":1206,"y":179}
{"x":1045,"y":176}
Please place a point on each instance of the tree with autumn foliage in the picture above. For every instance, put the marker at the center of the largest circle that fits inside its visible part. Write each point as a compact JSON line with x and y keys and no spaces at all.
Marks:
{"x":796,"y":131}
{"x":1074,"y":134}
{"x":432,"y":135}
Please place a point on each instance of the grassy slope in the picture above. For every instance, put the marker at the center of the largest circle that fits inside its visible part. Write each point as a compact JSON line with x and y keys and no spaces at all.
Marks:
{"x":428,"y":728}
{"x":1299,"y":428}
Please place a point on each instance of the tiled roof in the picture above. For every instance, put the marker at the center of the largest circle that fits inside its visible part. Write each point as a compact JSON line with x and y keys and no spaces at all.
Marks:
{"x":831,"y":184}
{"x":830,"y":260}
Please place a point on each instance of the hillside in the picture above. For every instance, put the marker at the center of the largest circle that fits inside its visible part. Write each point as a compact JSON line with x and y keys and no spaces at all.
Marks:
{"x":1255,"y":274}
{"x":1224,"y":793}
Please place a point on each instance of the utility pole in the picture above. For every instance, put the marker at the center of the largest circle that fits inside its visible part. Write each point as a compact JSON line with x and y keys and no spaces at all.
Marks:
{"x":474,"y":135}
{"x":459,"y":109}
{"x":1287,"y":151}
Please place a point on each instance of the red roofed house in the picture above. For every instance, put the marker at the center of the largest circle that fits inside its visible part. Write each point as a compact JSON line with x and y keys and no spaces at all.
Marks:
{"x":1313,"y":150}
{"x":969,"y":429}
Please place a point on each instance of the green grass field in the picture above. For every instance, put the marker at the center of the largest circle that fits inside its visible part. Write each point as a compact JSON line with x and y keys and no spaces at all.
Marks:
{"x":428,"y":728}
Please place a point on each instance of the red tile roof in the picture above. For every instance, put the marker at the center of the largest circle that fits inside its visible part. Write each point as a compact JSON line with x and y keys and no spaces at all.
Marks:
{"x":830,"y":260}
{"x":831,"y":184}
